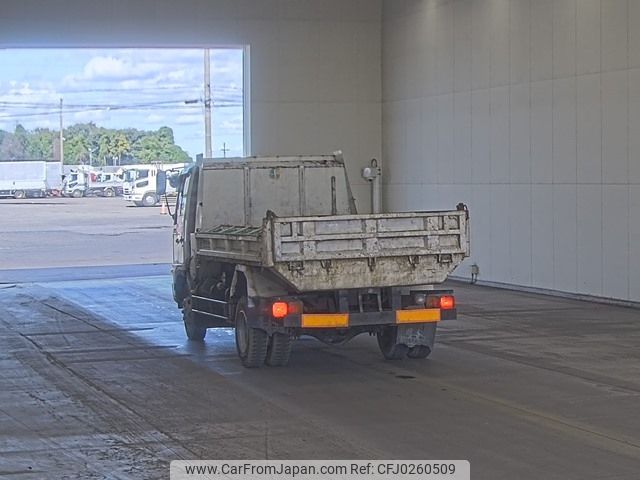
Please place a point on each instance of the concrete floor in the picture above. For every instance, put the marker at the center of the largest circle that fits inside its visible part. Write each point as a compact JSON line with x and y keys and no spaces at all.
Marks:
{"x":97,"y":381}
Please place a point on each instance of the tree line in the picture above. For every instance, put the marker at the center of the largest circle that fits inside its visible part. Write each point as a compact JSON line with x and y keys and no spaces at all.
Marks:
{"x":86,"y":143}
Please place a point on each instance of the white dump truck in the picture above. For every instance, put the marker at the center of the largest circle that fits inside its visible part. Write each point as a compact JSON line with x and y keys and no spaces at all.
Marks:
{"x":84,"y":181}
{"x":22,"y":179}
{"x":275,"y":248}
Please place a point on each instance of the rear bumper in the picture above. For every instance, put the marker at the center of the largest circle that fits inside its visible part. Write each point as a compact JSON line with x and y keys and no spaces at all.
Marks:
{"x":364,"y":319}
{"x":132,"y":198}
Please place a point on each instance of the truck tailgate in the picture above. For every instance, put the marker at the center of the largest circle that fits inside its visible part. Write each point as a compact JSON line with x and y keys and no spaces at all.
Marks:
{"x":359,"y":251}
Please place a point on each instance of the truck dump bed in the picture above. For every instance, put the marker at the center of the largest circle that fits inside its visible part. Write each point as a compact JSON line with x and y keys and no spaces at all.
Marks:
{"x":296,"y":217}
{"x":347,"y":251}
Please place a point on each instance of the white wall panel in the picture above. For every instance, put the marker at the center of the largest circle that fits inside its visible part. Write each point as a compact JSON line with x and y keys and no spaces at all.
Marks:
{"x":541,"y":40}
{"x":614,"y":34}
{"x":481,"y":229}
{"x":500,"y":232}
{"x":542,"y":131}
{"x":445,"y":139}
{"x":542,"y":240}
{"x":589,"y":244}
{"x":462,"y":137}
{"x":564,"y":130}
{"x":500,"y":168}
{"x":480,"y":44}
{"x":429,"y":170}
{"x":634,"y":34}
{"x":444,"y":48}
{"x":614,"y":127}
{"x":500,"y":67}
{"x":520,"y":41}
{"x":615,"y":247}
{"x":462,"y":34}
{"x":481,"y":136}
{"x":565,"y":237}
{"x":564,"y":38}
{"x":520,"y":134}
{"x":589,"y":133}
{"x":588,"y":36}
{"x":520,"y":234}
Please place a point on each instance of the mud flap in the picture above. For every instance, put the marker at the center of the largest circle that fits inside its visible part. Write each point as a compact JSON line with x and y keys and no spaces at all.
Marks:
{"x":180,"y":287}
{"x":417,"y":334}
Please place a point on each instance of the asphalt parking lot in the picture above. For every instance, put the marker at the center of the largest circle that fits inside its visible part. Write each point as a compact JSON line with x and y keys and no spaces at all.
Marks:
{"x":64,"y":232}
{"x":98,"y":381}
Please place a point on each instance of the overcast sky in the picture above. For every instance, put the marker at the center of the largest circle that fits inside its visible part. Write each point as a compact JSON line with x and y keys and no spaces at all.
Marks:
{"x":143,"y":88}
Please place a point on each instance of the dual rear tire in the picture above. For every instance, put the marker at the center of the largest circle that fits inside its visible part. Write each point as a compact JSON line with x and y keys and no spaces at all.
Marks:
{"x":254,"y":345}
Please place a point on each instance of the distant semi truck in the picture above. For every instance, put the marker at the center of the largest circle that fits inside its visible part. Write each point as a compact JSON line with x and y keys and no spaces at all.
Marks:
{"x":22,"y":179}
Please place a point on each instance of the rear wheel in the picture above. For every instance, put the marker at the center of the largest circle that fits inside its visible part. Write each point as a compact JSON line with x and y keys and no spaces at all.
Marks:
{"x":387,"y":341}
{"x":195,"y":331}
{"x":19,"y":194}
{"x":279,"y":350}
{"x":419,"y":351}
{"x":251,"y":343}
{"x":149,"y":200}
{"x":108,"y":192}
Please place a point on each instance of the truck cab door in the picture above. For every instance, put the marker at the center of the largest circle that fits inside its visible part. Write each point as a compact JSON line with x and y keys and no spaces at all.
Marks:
{"x":179,"y":233}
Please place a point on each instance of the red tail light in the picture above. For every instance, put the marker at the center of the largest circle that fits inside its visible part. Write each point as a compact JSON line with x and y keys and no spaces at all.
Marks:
{"x":445,"y":302}
{"x":279,"y":309}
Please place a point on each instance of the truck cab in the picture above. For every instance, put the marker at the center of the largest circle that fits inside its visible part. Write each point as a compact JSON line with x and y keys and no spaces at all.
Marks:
{"x":140,"y":186}
{"x":141,"y":183}
{"x":75,"y":184}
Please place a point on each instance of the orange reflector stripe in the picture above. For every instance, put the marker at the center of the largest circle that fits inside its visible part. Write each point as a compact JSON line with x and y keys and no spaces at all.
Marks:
{"x":325,"y":320}
{"x":423,"y":315}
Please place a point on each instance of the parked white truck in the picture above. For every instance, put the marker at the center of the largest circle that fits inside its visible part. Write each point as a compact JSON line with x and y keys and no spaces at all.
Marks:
{"x":275,"y":248}
{"x":85,"y":181}
{"x":22,"y":179}
{"x":140,"y":183}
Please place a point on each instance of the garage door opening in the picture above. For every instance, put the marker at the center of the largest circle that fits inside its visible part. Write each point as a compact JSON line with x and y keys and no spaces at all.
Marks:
{"x":83,"y":135}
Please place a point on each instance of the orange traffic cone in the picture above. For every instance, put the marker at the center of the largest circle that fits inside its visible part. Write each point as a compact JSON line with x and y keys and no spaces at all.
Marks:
{"x":163,"y":208}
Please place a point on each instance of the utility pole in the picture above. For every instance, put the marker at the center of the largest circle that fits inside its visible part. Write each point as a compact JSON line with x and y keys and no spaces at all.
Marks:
{"x":207,"y":104}
{"x":61,"y":138}
{"x":224,"y":149}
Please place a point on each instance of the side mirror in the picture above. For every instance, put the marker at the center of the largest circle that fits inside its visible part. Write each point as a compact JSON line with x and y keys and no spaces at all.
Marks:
{"x":174,"y":180}
{"x":161,"y":183}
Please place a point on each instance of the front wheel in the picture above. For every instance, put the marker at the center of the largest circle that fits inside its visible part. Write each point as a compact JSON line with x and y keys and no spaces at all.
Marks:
{"x":387,"y":341}
{"x":251,"y":343}
{"x":77,"y":194}
{"x":149,"y":200}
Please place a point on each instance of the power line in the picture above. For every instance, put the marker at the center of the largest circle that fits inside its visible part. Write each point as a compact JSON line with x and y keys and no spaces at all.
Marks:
{"x":121,"y":108}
